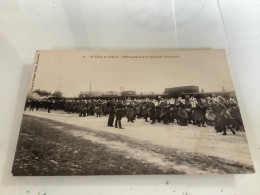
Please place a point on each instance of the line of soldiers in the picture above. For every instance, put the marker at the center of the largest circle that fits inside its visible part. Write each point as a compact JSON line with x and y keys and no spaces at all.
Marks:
{"x":221,"y":112}
{"x":34,"y":104}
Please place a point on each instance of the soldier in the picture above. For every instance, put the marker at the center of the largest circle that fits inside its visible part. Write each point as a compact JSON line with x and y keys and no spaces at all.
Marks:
{"x":105,"y":109}
{"x":136,"y":110}
{"x":37,"y":105}
{"x":165,"y":112}
{"x":98,"y":108}
{"x":119,"y":115}
{"x":157,"y":112}
{"x":54,"y":104}
{"x":111,"y":114}
{"x":222,"y":116}
{"x":139,"y":110}
{"x":235,"y":113}
{"x":130,"y":113}
{"x":193,"y":103}
{"x":171,"y":103}
{"x":49,"y":105}
{"x":145,"y":110}
{"x":176,"y":111}
{"x":88,"y":107}
{"x":210,"y":116}
{"x":92,"y":108}
{"x":183,"y":115}
{"x":188,"y":110}
{"x":82,"y":109}
{"x":152,"y":112}
{"x":32,"y":105}
{"x":198,"y":116}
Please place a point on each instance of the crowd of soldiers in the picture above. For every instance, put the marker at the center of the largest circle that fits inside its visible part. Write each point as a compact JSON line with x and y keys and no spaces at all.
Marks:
{"x":222,"y":113}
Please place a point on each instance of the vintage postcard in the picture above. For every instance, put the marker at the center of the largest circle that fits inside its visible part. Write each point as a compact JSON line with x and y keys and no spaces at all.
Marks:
{"x":131,"y":113}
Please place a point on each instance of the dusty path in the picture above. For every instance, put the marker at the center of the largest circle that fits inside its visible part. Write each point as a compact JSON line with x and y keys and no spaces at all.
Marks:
{"x":139,"y":154}
{"x":189,"y":139}
{"x":167,"y":160}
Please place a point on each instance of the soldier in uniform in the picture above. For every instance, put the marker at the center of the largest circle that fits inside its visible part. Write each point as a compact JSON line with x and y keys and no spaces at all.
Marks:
{"x":98,"y":108}
{"x":130,"y":113}
{"x":111,"y":114}
{"x":221,"y":112}
{"x":105,"y":109}
{"x":183,"y":115}
{"x":176,"y":111}
{"x":171,"y":102}
{"x":82,"y":108}
{"x":146,"y":111}
{"x":152,"y":112}
{"x":157,"y":112}
{"x":235,"y":113}
{"x":165,"y":112}
{"x":32,"y":105}
{"x":119,"y":114}
{"x":92,"y":108}
{"x":193,"y":103}
{"x":49,"y":105}
{"x":198,"y":114}
{"x":139,"y":110}
{"x":37,"y":105}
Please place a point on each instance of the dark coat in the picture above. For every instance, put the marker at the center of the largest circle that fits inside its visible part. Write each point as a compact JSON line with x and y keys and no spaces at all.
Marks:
{"x":119,"y":111}
{"x":158,"y":112}
{"x":152,"y":112}
{"x":129,"y":112}
{"x":165,"y":111}
{"x":112,"y":111}
{"x":183,"y":113}
{"x":198,"y":113}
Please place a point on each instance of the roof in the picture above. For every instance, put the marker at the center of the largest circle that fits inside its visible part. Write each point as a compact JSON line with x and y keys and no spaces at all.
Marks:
{"x":182,"y":86}
{"x":209,"y":92}
{"x":180,"y":89}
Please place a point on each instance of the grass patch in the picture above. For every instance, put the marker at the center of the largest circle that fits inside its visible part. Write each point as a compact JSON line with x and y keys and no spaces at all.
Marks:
{"x":45,"y":150}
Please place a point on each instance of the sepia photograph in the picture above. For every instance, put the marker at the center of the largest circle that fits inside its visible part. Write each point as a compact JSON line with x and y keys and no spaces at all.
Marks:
{"x":131,"y":113}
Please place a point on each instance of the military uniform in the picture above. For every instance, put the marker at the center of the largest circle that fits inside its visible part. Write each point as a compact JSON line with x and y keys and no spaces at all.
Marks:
{"x":111,"y":116}
{"x":119,"y":114}
{"x":152,"y":113}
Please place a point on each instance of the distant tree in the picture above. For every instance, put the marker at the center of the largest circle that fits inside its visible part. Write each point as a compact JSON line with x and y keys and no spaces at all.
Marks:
{"x":57,"y":94}
{"x":42,"y":92}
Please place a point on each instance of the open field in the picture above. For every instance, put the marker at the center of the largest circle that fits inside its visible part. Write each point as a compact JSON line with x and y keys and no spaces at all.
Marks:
{"x":64,"y":144}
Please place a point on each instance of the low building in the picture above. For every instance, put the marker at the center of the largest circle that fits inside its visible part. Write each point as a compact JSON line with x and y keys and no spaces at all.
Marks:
{"x":225,"y":94}
{"x":128,"y":93}
{"x":175,"y":92}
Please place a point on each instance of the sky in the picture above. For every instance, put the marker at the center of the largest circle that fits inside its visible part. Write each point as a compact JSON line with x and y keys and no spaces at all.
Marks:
{"x":143,"y":71}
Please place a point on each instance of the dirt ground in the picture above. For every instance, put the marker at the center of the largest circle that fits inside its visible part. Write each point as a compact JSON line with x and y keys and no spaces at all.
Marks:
{"x":45,"y":149}
{"x":190,"y":149}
